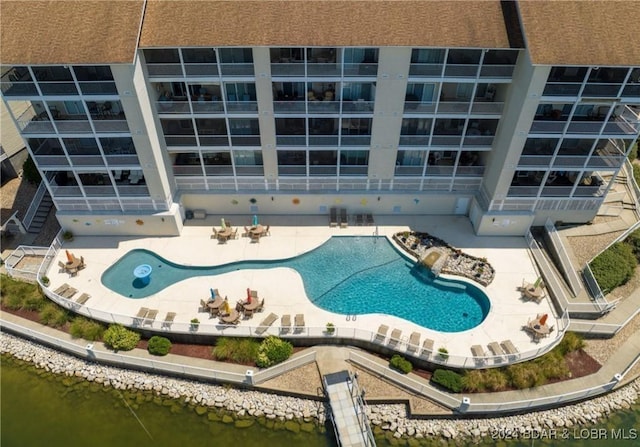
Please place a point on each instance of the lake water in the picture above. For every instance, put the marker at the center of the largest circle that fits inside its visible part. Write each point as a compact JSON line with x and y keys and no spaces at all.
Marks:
{"x":38,"y":408}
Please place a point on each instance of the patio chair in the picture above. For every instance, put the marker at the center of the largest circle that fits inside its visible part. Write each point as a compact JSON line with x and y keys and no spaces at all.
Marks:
{"x":369,"y":219}
{"x":266,"y":231}
{"x":203,"y":306}
{"x":382,"y":333}
{"x":496,"y":349}
{"x":414,"y":341}
{"x":215,"y":233}
{"x":427,"y":347}
{"x":260,"y":308}
{"x":478,"y":354}
{"x":83,"y":298}
{"x":82,"y":264}
{"x":509,"y":347}
{"x":62,"y":266}
{"x":60,"y":290}
{"x":285,"y":323}
{"x":255,"y":237}
{"x":394,"y":339}
{"x":344,"y":222}
{"x":168,"y":320}
{"x":214,"y":311}
{"x":139,"y":318}
{"x":333,"y":217}
{"x":69,"y":293}
{"x":266,"y":323}
{"x":234,"y":233}
{"x":232,"y":318}
{"x":247,"y":232}
{"x":150,"y":317}
{"x":298,"y":323}
{"x":248,"y":313}
{"x":359,"y":219}
{"x":253,"y":293}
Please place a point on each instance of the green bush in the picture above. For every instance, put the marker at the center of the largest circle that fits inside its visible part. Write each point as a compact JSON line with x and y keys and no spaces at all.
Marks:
{"x":551,"y":365}
{"x":17,"y":294}
{"x":523,"y":375}
{"x":86,"y":329}
{"x":273,"y":350}
{"x":636,"y":173}
{"x":570,"y":342}
{"x":159,"y":345}
{"x":401,"y":364}
{"x":120,"y":338}
{"x":614,"y":266}
{"x":495,"y":379}
{"x":238,"y":350}
{"x":473,"y":380}
{"x":448,"y":379}
{"x":53,"y":315}
{"x":633,"y":153}
{"x":634,"y":241}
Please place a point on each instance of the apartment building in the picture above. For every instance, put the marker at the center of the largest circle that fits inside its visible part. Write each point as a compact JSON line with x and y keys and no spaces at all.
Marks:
{"x":138,"y":112}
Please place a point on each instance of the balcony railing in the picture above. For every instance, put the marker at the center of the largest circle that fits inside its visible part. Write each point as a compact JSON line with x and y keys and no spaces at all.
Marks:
{"x":289,"y":106}
{"x":218,"y":170}
{"x":556,"y":191}
{"x":164,"y":70}
{"x":356,"y":140}
{"x":584,"y":127}
{"x":601,"y":90}
{"x":98,"y":88}
{"x":439,"y":171}
{"x":242,"y":106}
{"x":478,"y":140}
{"x":287,"y":69}
{"x":461,"y":71}
{"x":496,"y":71}
{"x":547,"y":126}
{"x":73,"y":126}
{"x":414,"y":140}
{"x":132,"y":190}
{"x":291,"y":140}
{"x":523,"y":191}
{"x":470,"y":171}
{"x":110,"y":125}
{"x":323,"y":170}
{"x":561,"y":89}
{"x":361,"y":69}
{"x":207,"y":107}
{"x":534,"y":161}
{"x":323,"y":69}
{"x":409,"y":170}
{"x":214,"y":140}
{"x":172,"y":106}
{"x":487,"y":108}
{"x":19,"y":89}
{"x":245,"y":140}
{"x":569,"y":161}
{"x":196,"y":70}
{"x":425,"y":70}
{"x":180,"y":140}
{"x":354,"y":170}
{"x":58,"y":88}
{"x":86,"y":160}
{"x":240,"y":69}
{"x":187,"y":170}
{"x":122,"y":159}
{"x":52,"y":160}
{"x":323,"y":140}
{"x":66,"y":191}
{"x":631,"y":90}
{"x":454,"y":106}
{"x":419,"y":107}
{"x":36,"y":127}
{"x":446,"y":140}
{"x":606,"y":161}
{"x":357,"y":106}
{"x":292,"y":170}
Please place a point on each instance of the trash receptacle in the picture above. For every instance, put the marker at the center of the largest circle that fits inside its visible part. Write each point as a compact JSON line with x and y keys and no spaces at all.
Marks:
{"x":189,"y":214}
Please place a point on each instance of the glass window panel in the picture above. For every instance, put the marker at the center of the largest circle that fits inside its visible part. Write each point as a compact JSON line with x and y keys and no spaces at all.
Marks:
{"x":290,"y":126}
{"x":354,"y":158}
{"x":236,"y":55}
{"x":93,"y":73}
{"x":207,"y":126}
{"x":247,"y":158}
{"x":288,"y":158}
{"x":416,"y":126}
{"x":427,"y":55}
{"x":199,"y":55}
{"x":609,"y":75}
{"x":463,"y":57}
{"x":540,"y":146}
{"x":323,"y":158}
{"x":52,"y":73}
{"x":216,"y":158}
{"x":177,"y":127}
{"x":500,"y":57}
{"x":162,"y":56}
{"x":240,"y":126}
{"x":81,"y":146}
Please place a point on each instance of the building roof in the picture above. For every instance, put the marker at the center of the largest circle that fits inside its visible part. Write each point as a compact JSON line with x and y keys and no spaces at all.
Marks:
{"x":433,"y":23}
{"x":583,"y":32}
{"x":69,"y":32}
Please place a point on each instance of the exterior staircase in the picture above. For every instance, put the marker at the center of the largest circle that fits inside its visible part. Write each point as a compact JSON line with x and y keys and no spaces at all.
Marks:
{"x":41,"y":213}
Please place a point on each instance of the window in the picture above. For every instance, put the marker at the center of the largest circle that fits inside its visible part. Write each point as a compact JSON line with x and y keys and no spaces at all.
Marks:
{"x":162,"y":56}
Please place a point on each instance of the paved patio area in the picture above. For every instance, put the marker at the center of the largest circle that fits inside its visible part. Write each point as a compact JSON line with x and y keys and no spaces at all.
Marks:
{"x":283,"y":289}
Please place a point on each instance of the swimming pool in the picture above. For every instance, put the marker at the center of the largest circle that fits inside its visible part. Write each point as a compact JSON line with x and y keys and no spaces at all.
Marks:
{"x":346,"y":275}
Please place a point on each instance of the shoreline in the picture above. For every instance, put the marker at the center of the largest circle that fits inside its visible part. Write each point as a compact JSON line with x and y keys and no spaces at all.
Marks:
{"x":386,"y":419}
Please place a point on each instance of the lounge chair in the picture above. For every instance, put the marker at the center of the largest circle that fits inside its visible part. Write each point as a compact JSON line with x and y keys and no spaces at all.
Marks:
{"x":509,"y":347}
{"x":496,"y":349}
{"x":298,"y":323}
{"x":369,"y":219}
{"x":359,"y":219}
{"x":168,"y":319}
{"x":344,"y":222}
{"x":427,"y":347}
{"x":478,"y":354}
{"x":333,"y":217}
{"x":394,"y":339}
{"x":232,"y":318}
{"x":83,"y":298}
{"x":285,"y":323}
{"x":60,"y":290}
{"x":69,"y":293}
{"x":264,"y":324}
{"x":142,"y":312}
{"x":150,"y":317}
{"x":382,"y":333}
{"x":414,"y":342}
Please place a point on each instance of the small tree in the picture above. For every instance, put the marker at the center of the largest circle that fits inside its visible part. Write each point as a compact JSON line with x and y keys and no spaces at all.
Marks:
{"x":120,"y":338}
{"x":273,"y":350}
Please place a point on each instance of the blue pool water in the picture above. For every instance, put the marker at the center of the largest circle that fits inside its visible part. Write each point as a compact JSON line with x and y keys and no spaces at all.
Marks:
{"x":345,"y":275}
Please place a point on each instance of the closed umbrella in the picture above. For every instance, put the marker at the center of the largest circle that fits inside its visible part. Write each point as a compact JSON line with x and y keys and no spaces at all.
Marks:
{"x":69,"y":257}
{"x":255,"y":220}
{"x":224,"y":226}
{"x":248,"y":296}
{"x":213,"y":293}
{"x":543,"y":319}
{"x":225,"y":306}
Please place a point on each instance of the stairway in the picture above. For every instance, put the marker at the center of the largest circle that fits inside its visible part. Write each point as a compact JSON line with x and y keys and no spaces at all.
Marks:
{"x":41,"y":214}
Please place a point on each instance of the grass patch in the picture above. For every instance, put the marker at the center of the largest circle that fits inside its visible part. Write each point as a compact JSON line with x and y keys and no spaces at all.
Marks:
{"x":239,"y":350}
{"x":86,"y":329}
{"x":18,"y":295}
{"x":53,"y":315}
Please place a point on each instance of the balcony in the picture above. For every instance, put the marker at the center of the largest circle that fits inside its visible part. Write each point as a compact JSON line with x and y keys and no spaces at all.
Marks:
{"x":417,"y":106}
{"x":366,"y":69}
{"x":414,"y":140}
{"x":98,"y":88}
{"x":323,"y":69}
{"x":237,"y":69}
{"x":446,"y":106}
{"x":496,"y":71}
{"x":164,"y":70}
{"x":357,"y":106}
{"x":242,"y":107}
{"x":470,"y":171}
{"x":561,"y":89}
{"x":544,"y":126}
{"x":426,"y":70}
{"x":601,"y":90}
{"x":288,"y":68}
{"x":201,"y":70}
{"x":461,"y":70}
{"x":534,"y":161}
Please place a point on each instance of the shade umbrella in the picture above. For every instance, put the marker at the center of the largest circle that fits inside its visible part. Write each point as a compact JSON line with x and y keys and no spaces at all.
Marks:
{"x":222,"y":224}
{"x":69,"y":257}
{"x":543,"y":319}
{"x":225,"y":306}
{"x":213,"y":294}
{"x":255,"y":220}
{"x":248,"y":296}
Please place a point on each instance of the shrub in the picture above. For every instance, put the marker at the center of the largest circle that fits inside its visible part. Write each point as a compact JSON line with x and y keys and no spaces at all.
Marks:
{"x":442,"y":352}
{"x":16,"y":294}
{"x":67,"y":235}
{"x":551,"y":365}
{"x":633,"y":153}
{"x":634,"y":241}
{"x":86,"y":329}
{"x":473,"y":380}
{"x":239,"y":350}
{"x":120,"y":338}
{"x":636,"y":173}
{"x":614,"y":266}
{"x":495,"y":379}
{"x":523,"y":375}
{"x":159,"y":345}
{"x":273,"y":350}
{"x":401,"y":364}
{"x":570,"y":342}
{"x":53,"y":315}
{"x":448,"y":379}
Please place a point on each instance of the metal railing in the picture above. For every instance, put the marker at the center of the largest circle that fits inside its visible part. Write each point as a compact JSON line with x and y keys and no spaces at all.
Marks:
{"x":357,"y":395}
{"x":33,"y":207}
{"x":13,"y":261}
{"x":565,"y":263}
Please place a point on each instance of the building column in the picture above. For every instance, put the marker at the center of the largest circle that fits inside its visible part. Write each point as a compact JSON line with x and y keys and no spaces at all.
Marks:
{"x":264,"y":96}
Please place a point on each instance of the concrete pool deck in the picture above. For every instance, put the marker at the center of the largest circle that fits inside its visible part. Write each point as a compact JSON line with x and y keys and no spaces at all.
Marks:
{"x":283,"y":289}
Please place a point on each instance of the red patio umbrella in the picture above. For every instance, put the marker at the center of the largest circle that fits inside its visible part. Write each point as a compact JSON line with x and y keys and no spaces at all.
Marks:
{"x":543,"y":319}
{"x":69,"y":257}
{"x":248,"y":296}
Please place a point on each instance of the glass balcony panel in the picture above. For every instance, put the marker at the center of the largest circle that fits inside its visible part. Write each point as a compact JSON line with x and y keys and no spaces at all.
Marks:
{"x":207,"y":107}
{"x":487,"y":108}
{"x":588,"y":191}
{"x":425,"y":70}
{"x":556,"y":191}
{"x":478,"y":140}
{"x":249,"y":170}
{"x":236,"y":69}
{"x":361,"y":69}
{"x":323,"y":140}
{"x":197,"y":70}
{"x":245,"y":140}
{"x":446,"y":140}
{"x":414,"y":140}
{"x":523,"y":191}
{"x":461,"y":71}
{"x":66,"y":191}
{"x":291,"y":140}
{"x":606,"y":161}
{"x":218,"y":169}
{"x":289,"y":107}
{"x":292,"y":170}
{"x":99,"y":88}
{"x":52,"y":160}
{"x":168,"y":106}
{"x":470,"y":171}
{"x":122,"y":159}
{"x":584,"y":127}
{"x":620,"y":126}
{"x":323,"y":106}
{"x":409,"y":170}
{"x":439,"y":170}
{"x":13,"y":88}
{"x":207,"y":140}
{"x":354,"y":170}
{"x":531,"y":161}
{"x":115,"y":126}
{"x":356,"y":140}
{"x":496,"y":71}
{"x":547,"y":126}
{"x":99,"y":191}
{"x":73,"y":126}
{"x":453,"y":107}
{"x":315,"y":69}
{"x":287,"y":69}
{"x":569,"y":161}
{"x":191,"y":170}
{"x":601,"y":90}
{"x":419,"y":107}
{"x":631,"y":90}
{"x":87,"y":160}
{"x":132,"y":190}
{"x":58,"y":88}
{"x":323,"y":170}
{"x":358,"y":106}
{"x":242,"y":106}
{"x":560,"y":89}
{"x":164,"y":70}
{"x":36,"y":127}
{"x":180,"y":140}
